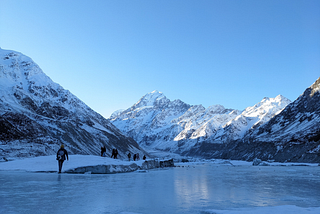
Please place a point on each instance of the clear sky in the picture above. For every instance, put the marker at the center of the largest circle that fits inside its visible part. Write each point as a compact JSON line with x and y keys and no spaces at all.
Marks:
{"x":111,"y":53}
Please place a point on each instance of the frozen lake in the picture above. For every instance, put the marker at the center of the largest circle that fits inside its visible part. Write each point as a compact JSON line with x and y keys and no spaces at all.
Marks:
{"x":199,"y":188}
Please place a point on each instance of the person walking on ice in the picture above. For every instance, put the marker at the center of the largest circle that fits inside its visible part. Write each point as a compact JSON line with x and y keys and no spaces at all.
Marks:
{"x":61,"y":156}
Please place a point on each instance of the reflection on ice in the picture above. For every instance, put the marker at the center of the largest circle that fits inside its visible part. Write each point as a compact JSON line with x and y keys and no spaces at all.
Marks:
{"x":225,"y":185}
{"x":186,"y":189}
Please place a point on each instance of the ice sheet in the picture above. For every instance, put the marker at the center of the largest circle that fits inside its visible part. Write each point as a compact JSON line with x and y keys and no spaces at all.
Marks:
{"x":205,"y":188}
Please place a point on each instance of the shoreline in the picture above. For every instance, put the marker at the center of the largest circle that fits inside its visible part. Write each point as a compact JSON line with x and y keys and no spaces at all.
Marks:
{"x":80,"y":164}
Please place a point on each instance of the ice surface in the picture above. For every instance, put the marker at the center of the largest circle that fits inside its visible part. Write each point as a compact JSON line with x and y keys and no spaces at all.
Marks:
{"x":49,"y":163}
{"x":218,"y":186}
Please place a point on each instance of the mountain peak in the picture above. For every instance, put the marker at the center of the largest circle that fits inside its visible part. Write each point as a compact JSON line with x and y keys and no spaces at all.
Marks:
{"x":281,"y":98}
{"x":156,"y":92}
{"x":315,"y":87}
{"x":21,"y":70}
{"x":150,"y":99}
{"x":153,"y":95}
{"x":277,"y":99}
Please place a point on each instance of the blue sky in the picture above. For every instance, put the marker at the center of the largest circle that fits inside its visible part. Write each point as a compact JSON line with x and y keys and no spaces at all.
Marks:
{"x":111,"y":53}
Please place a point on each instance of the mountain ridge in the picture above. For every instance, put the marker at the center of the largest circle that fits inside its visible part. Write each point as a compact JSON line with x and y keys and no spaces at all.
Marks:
{"x":273,"y":129}
{"x":156,"y":122}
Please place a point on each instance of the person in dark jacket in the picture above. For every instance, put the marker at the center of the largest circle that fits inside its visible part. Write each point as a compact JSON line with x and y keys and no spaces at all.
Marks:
{"x":61,"y":156}
{"x":116,"y":153}
{"x":129,"y":156}
{"x":113,"y":152}
{"x":103,"y":151}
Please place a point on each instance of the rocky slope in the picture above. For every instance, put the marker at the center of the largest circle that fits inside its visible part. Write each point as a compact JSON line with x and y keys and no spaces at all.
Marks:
{"x":37,"y":115}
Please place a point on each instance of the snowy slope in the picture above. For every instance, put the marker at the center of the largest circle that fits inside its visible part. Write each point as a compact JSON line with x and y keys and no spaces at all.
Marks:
{"x":149,"y":120}
{"x":300,"y":119}
{"x":38,"y":114}
{"x":292,"y":134}
{"x":158,"y":123}
{"x":252,"y":117}
{"x":295,"y":130}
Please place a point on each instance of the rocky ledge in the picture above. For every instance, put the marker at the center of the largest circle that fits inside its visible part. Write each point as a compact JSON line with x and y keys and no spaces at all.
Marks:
{"x":111,"y":169}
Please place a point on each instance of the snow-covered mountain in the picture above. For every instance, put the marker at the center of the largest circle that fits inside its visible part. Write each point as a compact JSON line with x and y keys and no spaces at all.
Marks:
{"x":251,"y":118}
{"x":291,"y":135}
{"x":36,"y":115}
{"x":294,"y":132}
{"x":156,"y":122}
{"x":149,"y":120}
{"x":273,"y":129}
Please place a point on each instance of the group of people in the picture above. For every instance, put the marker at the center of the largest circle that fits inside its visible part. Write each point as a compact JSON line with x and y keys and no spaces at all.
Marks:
{"x":62,"y":155}
{"x":136,"y":157}
{"x":113,"y":155}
